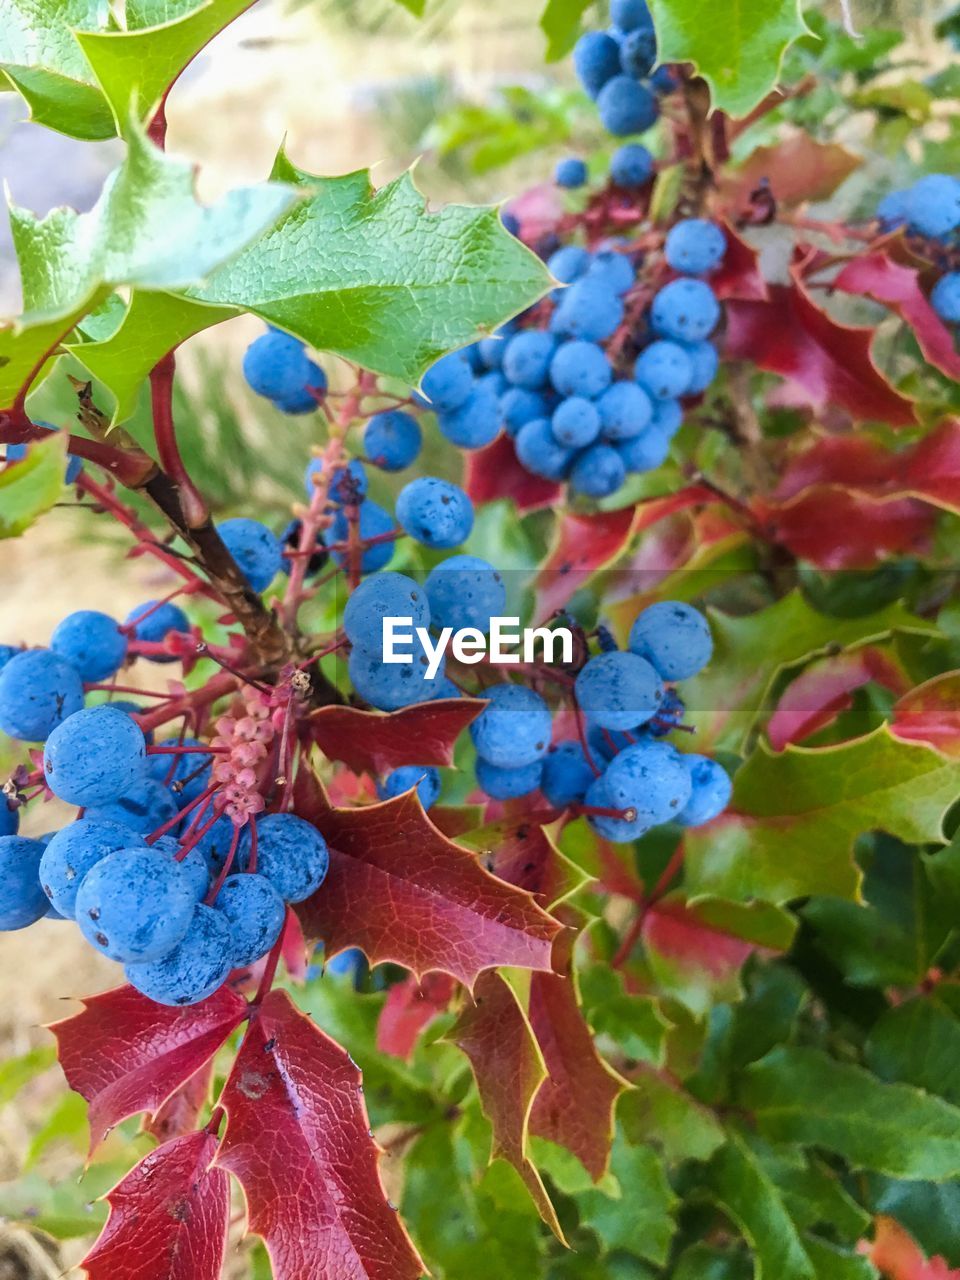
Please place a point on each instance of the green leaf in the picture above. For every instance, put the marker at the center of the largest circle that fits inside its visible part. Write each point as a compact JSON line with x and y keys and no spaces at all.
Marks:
{"x":17,"y":1072}
{"x":374,"y":277}
{"x":752,"y":650}
{"x":930,"y":1211}
{"x":634,"y":1023}
{"x":812,"y":1192}
{"x":737,"y":47}
{"x":32,"y":486}
{"x":795,"y":815}
{"x":832,"y":1263}
{"x":160,"y":40}
{"x":416,"y":7}
{"x":658,"y":1110}
{"x":152,"y":325}
{"x":918,"y":1043}
{"x":42,"y":60}
{"x":747,"y":1195}
{"x":560,"y":23}
{"x":639,"y":1219}
{"x":66,"y":1122}
{"x":802,"y":1095}
{"x":704,"y":1262}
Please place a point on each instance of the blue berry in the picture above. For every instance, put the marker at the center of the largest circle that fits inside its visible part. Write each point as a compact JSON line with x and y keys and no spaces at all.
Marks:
{"x":652,"y":776}
{"x":580,"y":369}
{"x":465,"y":591}
{"x":540,"y":452}
{"x":255,"y":913}
{"x":667,"y":418}
{"x":589,"y":309}
{"x":38,"y":691}
{"x":192,"y":864}
{"x":135,"y":905}
{"x":613,"y":270}
{"x":669,"y":716}
{"x":424,"y":777}
{"x":349,"y":483}
{"x":570,"y":172}
{"x":72,"y":851}
{"x":276,"y":366}
{"x":147,"y":805}
{"x":477,"y":421}
{"x":256,"y":550}
{"x":157,"y":625}
{"x":491,"y":349}
{"x":510,"y":222}
{"x":435,"y":512}
{"x":94,"y":756}
{"x":685,"y":310}
{"x":673,"y":637}
{"x":598,"y":471}
{"x":711,"y":792}
{"x":626,"y":106}
{"x":8,"y":651}
{"x":388,"y":686}
{"x":91,"y":642}
{"x":933,"y":205}
{"x":631,"y":15}
{"x":172,"y":770}
{"x":9,"y":818}
{"x":568,"y":263}
{"x":664,"y":370}
{"x":575,"y":422}
{"x":596,"y":59}
{"x":513,"y":730}
{"x":619,"y":690}
{"x":392,"y":440}
{"x":214,"y":845}
{"x":619,"y":830}
{"x":945,"y":297}
{"x":383,"y":595}
{"x":644,"y":452}
{"x":194,"y":969}
{"x":508,"y":783}
{"x":373,"y":522}
{"x":704,"y":363}
{"x":447,"y":383}
{"x":305,"y":400}
{"x":519,"y":406}
{"x":631,"y":165}
{"x":638,"y":53}
{"x":625,"y":410}
{"x":695,"y":246}
{"x":526,"y":360}
{"x":664,"y":80}
{"x":345,"y":963}
{"x":567,"y":775}
{"x":443,"y":687}
{"x":605,"y":743}
{"x":291,"y":853}
{"x":22,"y":899}
{"x":892,"y":210}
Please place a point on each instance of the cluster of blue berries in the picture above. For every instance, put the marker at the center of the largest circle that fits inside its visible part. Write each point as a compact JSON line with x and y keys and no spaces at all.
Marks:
{"x":277,"y":367}
{"x":626,"y":778}
{"x":616,"y":67}
{"x":930,"y":209}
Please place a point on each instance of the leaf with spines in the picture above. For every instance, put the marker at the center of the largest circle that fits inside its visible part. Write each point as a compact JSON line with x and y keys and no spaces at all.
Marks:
{"x":795,"y":815}
{"x":160,"y":39}
{"x":169,"y":1217}
{"x":41,"y":59}
{"x":30,"y":487}
{"x":560,"y":23}
{"x":802,"y":1095}
{"x":738,"y":47}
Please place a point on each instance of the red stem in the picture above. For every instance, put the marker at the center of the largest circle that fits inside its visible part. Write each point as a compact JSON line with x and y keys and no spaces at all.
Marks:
{"x":194,"y":508}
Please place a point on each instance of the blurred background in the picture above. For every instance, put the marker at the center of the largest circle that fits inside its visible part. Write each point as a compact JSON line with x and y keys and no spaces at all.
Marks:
{"x":348,"y":85}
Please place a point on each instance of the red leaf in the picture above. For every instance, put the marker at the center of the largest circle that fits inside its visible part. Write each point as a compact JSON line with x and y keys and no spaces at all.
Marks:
{"x":899,"y":1257}
{"x":828,"y":363}
{"x":582,"y":544}
{"x":181,"y":1111}
{"x":294,"y":949}
{"x":739,"y":274}
{"x":819,"y":694}
{"x":168,"y":1217}
{"x":496,"y":472}
{"x":877,"y":276}
{"x":522,"y":853}
{"x":125,"y":1054}
{"x":931,"y":713}
{"x":678,"y":933}
{"x":298,"y":1140}
{"x":497,"y":1039}
{"x":401,"y":891}
{"x":574,"y":1105}
{"x":370,"y":741}
{"x":409,"y":1007}
{"x":798,"y":168}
